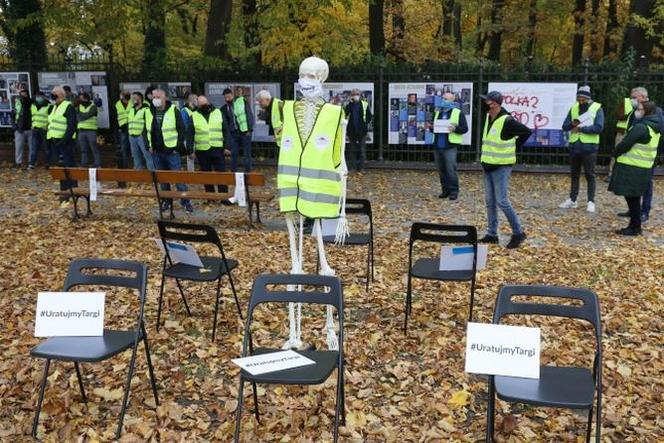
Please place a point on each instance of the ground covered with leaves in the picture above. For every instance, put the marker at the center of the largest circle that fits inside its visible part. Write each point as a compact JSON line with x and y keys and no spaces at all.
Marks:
{"x":398,"y":389}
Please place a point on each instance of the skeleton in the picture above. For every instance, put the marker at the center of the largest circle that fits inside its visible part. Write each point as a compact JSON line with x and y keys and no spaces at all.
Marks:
{"x":313,"y":72}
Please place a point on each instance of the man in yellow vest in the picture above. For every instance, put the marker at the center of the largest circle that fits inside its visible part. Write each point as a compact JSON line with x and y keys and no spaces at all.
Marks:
{"x":273,"y":108}
{"x":585,"y":122}
{"x":446,"y":144}
{"x":359,"y":117}
{"x":138,"y":132}
{"x":502,"y":136}
{"x":39,"y":110}
{"x":238,"y":124}
{"x":190,"y":105}
{"x":86,"y":115}
{"x":61,"y":132}
{"x":624,"y":109}
{"x":122,"y":118}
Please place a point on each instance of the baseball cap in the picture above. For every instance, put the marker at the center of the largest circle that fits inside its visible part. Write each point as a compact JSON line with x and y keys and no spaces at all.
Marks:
{"x":494,"y":96}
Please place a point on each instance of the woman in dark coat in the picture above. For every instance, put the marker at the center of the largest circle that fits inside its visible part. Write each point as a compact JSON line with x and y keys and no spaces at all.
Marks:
{"x":635,"y":156}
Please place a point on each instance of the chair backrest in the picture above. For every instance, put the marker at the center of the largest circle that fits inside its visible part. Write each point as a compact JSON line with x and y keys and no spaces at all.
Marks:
{"x":443,"y":233}
{"x":195,"y":233}
{"x":358,"y":206}
{"x":588,"y":309}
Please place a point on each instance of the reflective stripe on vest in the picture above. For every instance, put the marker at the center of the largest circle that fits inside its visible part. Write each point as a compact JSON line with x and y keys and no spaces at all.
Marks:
{"x":18,"y":107}
{"x":57,"y":122}
{"x":39,"y":116}
{"x":642,"y":155}
{"x":585,"y":138}
{"x":90,"y":123}
{"x":208,"y":133}
{"x":308,"y":179}
{"x":123,"y":112}
{"x":240,"y":114}
{"x":452,"y":137}
{"x":168,"y":128}
{"x":495,"y":150}
{"x":627,"y":111}
{"x":137,"y":120}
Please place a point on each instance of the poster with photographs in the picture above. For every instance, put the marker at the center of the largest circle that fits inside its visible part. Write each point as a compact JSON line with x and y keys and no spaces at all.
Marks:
{"x":412,"y":107}
{"x":215,"y":93}
{"x":11,"y":84}
{"x":339,"y":94}
{"x":177,"y":91}
{"x":92,"y":82}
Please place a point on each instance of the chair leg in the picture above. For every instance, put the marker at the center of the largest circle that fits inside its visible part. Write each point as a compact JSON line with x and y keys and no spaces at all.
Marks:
{"x":372,"y":259}
{"x":35,"y":423}
{"x":472,"y":299}
{"x":258,"y":418}
{"x":368,"y":264}
{"x":258,"y":213}
{"x":161,"y":296}
{"x":153,"y":380}
{"x":216,"y":309}
{"x":238,"y":412}
{"x":598,"y":418}
{"x":337,"y":410}
{"x":343,"y":399}
{"x":125,"y":399}
{"x":490,"y":412}
{"x":237,"y":302}
{"x":184,"y":299}
{"x":408,"y":304}
{"x":87,"y":201}
{"x":589,"y":427}
{"x":80,"y":382}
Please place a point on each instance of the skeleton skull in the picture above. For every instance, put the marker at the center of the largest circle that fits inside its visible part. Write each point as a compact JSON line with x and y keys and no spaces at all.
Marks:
{"x":314,"y":68}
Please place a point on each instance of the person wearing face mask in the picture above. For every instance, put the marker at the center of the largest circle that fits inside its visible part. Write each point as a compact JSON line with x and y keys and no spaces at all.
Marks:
{"x":273,"y":108}
{"x":634,"y":160}
{"x":190,"y":105}
{"x":585,"y":122}
{"x":502,"y":136}
{"x":39,"y":111}
{"x":122,"y":115}
{"x":61,"y":134}
{"x":22,"y":124}
{"x":446,"y":145}
{"x":238,"y":124}
{"x":86,"y":115}
{"x":359,"y":116}
{"x":166,"y":140}
{"x":137,"y":117}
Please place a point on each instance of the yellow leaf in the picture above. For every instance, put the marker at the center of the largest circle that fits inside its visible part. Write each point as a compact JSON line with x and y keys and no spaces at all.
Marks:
{"x":460,"y":398}
{"x":108,"y":395}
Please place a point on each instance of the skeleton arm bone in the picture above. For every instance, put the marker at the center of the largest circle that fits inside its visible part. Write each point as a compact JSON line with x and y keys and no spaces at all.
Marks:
{"x":342,"y":226}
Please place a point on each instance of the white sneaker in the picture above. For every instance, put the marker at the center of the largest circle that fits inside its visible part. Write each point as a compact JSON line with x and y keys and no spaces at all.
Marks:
{"x":567,"y":204}
{"x":591,"y":207}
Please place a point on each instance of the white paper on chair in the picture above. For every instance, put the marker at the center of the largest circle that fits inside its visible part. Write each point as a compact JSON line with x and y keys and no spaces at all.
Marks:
{"x":70,"y":314}
{"x":441,"y":126}
{"x":181,"y":253}
{"x":460,"y":258}
{"x":586,"y":119}
{"x":92,"y":180}
{"x":240,"y":192}
{"x":272,"y":362}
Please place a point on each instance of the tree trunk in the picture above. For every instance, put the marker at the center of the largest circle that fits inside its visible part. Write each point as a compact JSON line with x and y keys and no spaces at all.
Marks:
{"x":635,"y":36}
{"x":251,"y":37}
{"x":496,"y":33}
{"x":595,"y":33}
{"x":219,"y":22}
{"x":579,"y":29}
{"x":448,"y":16}
{"x":532,"y":23}
{"x":376,"y":27}
{"x":456,"y":27}
{"x":27,"y":42}
{"x":398,"y":28}
{"x":612,"y":25}
{"x":154,"y":43}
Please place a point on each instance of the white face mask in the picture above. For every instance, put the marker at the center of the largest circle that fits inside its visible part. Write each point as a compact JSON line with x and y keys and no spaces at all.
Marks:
{"x":635,"y":102}
{"x":638,"y":114}
{"x":156,"y":102}
{"x":356,"y":98}
{"x":311,"y":88}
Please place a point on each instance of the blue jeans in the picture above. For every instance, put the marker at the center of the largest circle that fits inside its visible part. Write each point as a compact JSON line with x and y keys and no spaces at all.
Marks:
{"x":496,"y":184}
{"x":38,"y":143}
{"x":646,"y":205}
{"x":170,"y":161}
{"x":124,"y":150}
{"x":139,"y":152}
{"x":446,"y":161}
{"x":240,"y":140}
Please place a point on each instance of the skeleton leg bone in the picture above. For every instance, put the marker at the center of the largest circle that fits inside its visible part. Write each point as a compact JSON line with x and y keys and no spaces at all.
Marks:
{"x":325,"y":269}
{"x":295,"y":338}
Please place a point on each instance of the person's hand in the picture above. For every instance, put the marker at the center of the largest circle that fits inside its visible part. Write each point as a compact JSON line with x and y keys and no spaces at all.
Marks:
{"x":151,"y":151}
{"x":452,"y":127}
{"x":227,"y":153}
{"x":576,"y":129}
{"x":192,"y":156}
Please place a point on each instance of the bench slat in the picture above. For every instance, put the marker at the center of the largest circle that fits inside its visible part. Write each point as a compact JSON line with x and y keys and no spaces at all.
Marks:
{"x":103,"y":174}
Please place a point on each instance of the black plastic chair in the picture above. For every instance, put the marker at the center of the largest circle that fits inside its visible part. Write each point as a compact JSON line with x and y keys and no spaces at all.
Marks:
{"x":429,"y":268}
{"x":326,"y":361}
{"x":360,"y":207}
{"x":113,"y":342}
{"x":557,"y":387}
{"x":217,"y":266}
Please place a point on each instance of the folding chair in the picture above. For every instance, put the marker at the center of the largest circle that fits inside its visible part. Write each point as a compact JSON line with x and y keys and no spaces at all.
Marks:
{"x":326,"y":361}
{"x":95,"y":349}
{"x":216,"y":267}
{"x":557,"y":387}
{"x":361,"y":207}
{"x":429,"y":268}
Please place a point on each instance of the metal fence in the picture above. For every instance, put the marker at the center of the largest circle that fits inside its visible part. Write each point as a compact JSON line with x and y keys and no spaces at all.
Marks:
{"x":609,"y":84}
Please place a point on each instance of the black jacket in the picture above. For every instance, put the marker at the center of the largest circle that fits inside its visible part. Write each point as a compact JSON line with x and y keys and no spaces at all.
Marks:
{"x":229,"y":117}
{"x":24,"y":122}
{"x":357,"y":126}
{"x":511,"y":128}
{"x":157,"y":138}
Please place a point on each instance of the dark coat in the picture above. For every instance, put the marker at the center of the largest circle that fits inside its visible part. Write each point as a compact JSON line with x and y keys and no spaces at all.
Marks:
{"x":626,"y":180}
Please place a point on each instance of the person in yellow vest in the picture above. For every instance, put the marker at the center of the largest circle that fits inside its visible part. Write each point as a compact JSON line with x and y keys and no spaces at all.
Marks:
{"x":86,"y":115}
{"x":39,"y":110}
{"x":585,"y":123}
{"x":61,"y":132}
{"x":122,"y":118}
{"x":359,"y":117}
{"x":623,"y":111}
{"x":166,"y":140}
{"x":634,"y":159}
{"x":137,"y":131}
{"x":273,"y":108}
{"x":206,"y":135}
{"x":238,"y":124}
{"x":501,"y":137}
{"x":21,"y":123}
{"x":190,"y":105}
{"x":446,"y":145}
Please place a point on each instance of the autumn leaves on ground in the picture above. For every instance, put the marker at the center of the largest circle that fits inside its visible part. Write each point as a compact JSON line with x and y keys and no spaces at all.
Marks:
{"x":398,"y":389}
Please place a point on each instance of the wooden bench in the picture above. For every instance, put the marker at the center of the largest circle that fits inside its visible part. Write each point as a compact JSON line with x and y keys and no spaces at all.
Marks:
{"x":254,"y":186}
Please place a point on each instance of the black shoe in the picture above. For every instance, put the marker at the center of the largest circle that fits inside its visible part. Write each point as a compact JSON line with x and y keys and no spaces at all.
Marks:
{"x":226,"y":202}
{"x":444,"y":194}
{"x":165,"y":206}
{"x":493,"y":239}
{"x":187,"y":207}
{"x":644,"y":218}
{"x":629,"y":231}
{"x":454,"y":196}
{"x":516,"y":240}
{"x":623,"y":214}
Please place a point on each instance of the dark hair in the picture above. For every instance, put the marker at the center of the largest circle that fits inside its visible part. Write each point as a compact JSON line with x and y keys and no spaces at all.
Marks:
{"x":227,"y":91}
{"x":139,"y":94}
{"x":649,"y":108}
{"x":85,"y":95}
{"x":67,"y":88}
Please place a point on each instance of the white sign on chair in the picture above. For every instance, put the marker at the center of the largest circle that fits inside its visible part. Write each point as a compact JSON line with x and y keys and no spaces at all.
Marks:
{"x":69,"y":314}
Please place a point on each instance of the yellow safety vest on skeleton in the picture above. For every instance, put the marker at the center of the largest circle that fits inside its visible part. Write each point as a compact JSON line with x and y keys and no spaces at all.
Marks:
{"x":308,"y":175}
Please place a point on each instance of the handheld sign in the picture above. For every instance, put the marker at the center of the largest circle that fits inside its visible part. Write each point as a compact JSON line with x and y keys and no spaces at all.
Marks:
{"x":441,"y":126}
{"x":586,"y":120}
{"x":181,"y":253}
{"x":460,"y":258}
{"x":272,"y":362}
{"x":513,"y":351}
{"x":69,"y":314}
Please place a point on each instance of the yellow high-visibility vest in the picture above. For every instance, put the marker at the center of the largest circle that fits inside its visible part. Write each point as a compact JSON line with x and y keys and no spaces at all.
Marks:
{"x":627,"y":111}
{"x":495,"y":150}
{"x":137,"y":119}
{"x":240,"y":114}
{"x":452,"y":137}
{"x":642,"y":155}
{"x":122,"y":111}
{"x":585,"y":138}
{"x":39,"y":116}
{"x":90,"y":123}
{"x":168,"y":129}
{"x":208,"y":133}
{"x":57,"y":122}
